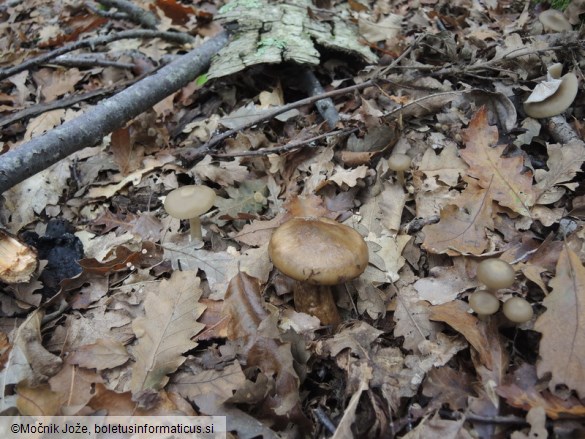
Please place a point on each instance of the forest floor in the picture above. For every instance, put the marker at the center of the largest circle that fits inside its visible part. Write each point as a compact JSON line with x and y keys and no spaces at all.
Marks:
{"x":127,"y":313}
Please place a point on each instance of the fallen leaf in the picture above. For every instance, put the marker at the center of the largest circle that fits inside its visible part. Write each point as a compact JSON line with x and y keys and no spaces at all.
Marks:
{"x":562,"y":325}
{"x":504,"y":177}
{"x":463,"y":226}
{"x":103,"y":354}
{"x":165,"y":332}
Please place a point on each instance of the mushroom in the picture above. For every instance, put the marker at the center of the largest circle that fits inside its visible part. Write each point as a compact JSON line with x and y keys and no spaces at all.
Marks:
{"x":495,"y":274}
{"x":554,"y":21}
{"x":399,"y":163}
{"x":518,"y":310}
{"x":318,"y":253}
{"x":557,"y":102}
{"x":484,"y":303}
{"x":189,"y":202}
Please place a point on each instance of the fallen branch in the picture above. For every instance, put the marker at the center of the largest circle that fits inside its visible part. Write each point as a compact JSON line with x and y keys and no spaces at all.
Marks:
{"x":110,"y":114}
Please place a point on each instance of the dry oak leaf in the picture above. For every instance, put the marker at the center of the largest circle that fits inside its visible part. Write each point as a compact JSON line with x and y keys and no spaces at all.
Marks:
{"x":222,"y":383}
{"x":105,"y":353}
{"x":503,"y":176}
{"x":521,"y":389}
{"x":165,"y":332}
{"x":447,"y":166}
{"x":463,"y":226}
{"x":476,"y":332}
{"x":250,"y":322}
{"x":564,"y":161}
{"x":562,"y":325}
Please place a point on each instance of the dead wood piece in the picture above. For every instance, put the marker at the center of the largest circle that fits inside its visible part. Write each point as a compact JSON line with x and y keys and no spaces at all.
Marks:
{"x":326,"y":107}
{"x":135,"y":13}
{"x":18,"y":261}
{"x":110,"y":114}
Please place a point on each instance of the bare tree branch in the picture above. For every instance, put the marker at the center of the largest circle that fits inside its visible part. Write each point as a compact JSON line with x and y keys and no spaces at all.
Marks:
{"x":110,"y":114}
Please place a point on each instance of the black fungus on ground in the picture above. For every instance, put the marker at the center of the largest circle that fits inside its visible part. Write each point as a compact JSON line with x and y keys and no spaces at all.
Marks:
{"x":61,"y":248}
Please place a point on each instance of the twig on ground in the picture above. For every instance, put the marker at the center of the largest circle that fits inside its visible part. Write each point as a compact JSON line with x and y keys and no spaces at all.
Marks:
{"x":190,"y":154}
{"x":561,"y":131}
{"x":284,"y":148}
{"x":110,"y":114}
{"x":177,"y":37}
{"x":135,"y":13}
{"x":311,"y":85}
{"x":89,"y":62}
{"x":107,"y":14}
{"x":61,"y":103}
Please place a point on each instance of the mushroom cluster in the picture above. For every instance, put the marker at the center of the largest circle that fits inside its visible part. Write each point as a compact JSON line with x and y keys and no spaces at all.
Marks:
{"x":318,"y":253}
{"x":553,"y":96}
{"x":496,"y":274}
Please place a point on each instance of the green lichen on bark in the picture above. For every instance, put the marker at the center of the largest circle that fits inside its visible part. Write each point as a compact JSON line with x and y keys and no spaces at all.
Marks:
{"x":275,"y":32}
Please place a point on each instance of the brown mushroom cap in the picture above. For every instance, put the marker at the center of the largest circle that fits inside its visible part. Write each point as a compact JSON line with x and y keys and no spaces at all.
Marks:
{"x":189,"y":201}
{"x":318,"y":251}
{"x":554,"y":20}
{"x":399,"y":162}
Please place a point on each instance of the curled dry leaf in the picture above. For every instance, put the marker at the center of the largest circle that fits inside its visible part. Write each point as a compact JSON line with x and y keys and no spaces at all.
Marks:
{"x":250,"y":322}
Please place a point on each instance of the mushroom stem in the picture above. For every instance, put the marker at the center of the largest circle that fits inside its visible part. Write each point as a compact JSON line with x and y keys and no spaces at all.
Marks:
{"x":400,"y":178}
{"x":316,"y":300}
{"x":195,"y":226}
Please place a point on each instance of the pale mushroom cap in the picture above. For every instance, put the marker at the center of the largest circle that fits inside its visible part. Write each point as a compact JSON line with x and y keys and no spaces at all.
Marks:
{"x":484,"y":303}
{"x":189,"y":201}
{"x":554,"y":20}
{"x":558,"y":102}
{"x":495,"y":273}
{"x":318,"y":251}
{"x":399,"y":162}
{"x":517,"y":310}
{"x":555,"y":70}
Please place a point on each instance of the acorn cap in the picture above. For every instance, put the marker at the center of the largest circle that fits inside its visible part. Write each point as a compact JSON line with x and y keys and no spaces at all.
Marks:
{"x":189,"y":201}
{"x":318,"y":251}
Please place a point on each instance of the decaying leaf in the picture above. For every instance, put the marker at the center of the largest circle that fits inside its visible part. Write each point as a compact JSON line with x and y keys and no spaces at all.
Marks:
{"x":165,"y":332}
{"x":521,"y":389}
{"x":463,"y":226}
{"x":103,"y":354}
{"x":503,"y":177}
{"x":250,"y":322}
{"x":562,"y":347}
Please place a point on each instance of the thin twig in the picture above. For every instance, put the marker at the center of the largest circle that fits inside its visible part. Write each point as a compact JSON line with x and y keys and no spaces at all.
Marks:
{"x":190,"y":154}
{"x":89,"y":62}
{"x":284,"y":148}
{"x":177,"y":37}
{"x":62,"y":103}
{"x":135,"y":13}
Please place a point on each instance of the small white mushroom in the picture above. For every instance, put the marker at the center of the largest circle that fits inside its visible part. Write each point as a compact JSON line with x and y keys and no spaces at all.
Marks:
{"x":399,"y":163}
{"x":554,"y":21}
